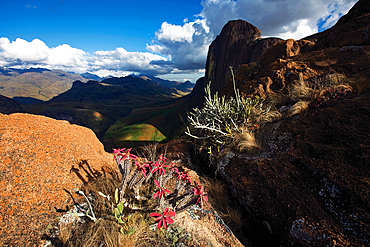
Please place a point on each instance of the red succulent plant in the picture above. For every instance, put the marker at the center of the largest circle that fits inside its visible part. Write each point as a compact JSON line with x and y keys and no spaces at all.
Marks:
{"x":161,"y":192}
{"x":124,"y":154}
{"x":142,"y":167}
{"x":199,"y":190}
{"x":184,"y":177}
{"x":164,"y":218}
{"x":159,"y":166}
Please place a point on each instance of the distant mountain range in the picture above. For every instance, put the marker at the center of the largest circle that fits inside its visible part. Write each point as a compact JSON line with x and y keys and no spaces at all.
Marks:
{"x":124,"y":90}
{"x":35,"y":84}
{"x":108,"y":104}
{"x":185,"y":87}
{"x":100,"y":104}
{"x":32,"y":85}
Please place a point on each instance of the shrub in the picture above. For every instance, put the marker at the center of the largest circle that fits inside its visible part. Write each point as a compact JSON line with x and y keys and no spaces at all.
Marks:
{"x":221,"y":118}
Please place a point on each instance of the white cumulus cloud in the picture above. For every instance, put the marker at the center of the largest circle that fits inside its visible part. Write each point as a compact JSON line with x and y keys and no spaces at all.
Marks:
{"x":180,"y":50}
{"x":176,"y":33}
{"x":278,"y":18}
{"x":23,"y":54}
{"x":122,"y":60}
{"x":35,"y":51}
{"x":186,"y":45}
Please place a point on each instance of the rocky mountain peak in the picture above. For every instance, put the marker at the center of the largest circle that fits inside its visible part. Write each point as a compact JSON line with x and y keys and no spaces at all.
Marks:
{"x":237,"y":30}
{"x":238,"y":43}
{"x":311,"y":175}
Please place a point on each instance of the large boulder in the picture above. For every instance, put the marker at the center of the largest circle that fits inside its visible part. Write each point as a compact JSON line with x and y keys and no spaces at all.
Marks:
{"x":310,"y":183}
{"x":39,"y":158}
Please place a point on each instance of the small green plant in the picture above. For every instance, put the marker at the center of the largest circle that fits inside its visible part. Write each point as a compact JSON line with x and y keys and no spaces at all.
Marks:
{"x":118,"y":211}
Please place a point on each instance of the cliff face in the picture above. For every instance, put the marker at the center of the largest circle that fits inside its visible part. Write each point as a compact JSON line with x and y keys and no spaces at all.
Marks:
{"x":265,"y":66}
{"x":310,"y":183}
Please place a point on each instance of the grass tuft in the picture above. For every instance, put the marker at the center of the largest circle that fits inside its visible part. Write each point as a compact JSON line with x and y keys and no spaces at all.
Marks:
{"x":246,"y":141}
{"x":222,"y":201}
{"x":299,"y":108}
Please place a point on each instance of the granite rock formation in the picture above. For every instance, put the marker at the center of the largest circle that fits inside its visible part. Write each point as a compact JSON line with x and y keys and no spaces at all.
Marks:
{"x":37,"y":158}
{"x":342,"y":49}
{"x":238,"y":43}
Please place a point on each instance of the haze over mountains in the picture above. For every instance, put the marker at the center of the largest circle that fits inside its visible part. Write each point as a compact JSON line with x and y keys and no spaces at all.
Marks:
{"x":38,"y":84}
{"x":35,"y":84}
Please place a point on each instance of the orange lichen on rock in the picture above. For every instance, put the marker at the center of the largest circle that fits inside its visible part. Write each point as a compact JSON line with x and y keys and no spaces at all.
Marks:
{"x":37,"y":155}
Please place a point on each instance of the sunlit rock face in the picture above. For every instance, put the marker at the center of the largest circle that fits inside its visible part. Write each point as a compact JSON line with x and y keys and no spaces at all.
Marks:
{"x":39,"y":158}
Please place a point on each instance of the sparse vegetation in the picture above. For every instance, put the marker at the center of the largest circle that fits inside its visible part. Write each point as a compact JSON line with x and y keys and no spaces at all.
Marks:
{"x":147,"y":198}
{"x":143,"y":204}
{"x":221,"y":120}
{"x":229,"y":125}
{"x":317,"y":92}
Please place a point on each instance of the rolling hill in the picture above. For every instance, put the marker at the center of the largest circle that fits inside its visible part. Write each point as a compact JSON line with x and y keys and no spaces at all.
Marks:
{"x":131,"y":108}
{"x":35,"y":84}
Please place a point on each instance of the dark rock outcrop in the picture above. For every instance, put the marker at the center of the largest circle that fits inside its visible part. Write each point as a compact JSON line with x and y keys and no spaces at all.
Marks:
{"x":310,"y":185}
{"x":351,"y":29}
{"x":342,"y":49}
{"x":238,"y":43}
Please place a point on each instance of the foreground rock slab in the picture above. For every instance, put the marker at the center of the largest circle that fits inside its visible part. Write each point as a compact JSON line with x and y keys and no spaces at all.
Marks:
{"x":37,"y":158}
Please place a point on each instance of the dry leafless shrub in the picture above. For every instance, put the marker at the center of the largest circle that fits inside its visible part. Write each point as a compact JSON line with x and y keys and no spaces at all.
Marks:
{"x":271,"y":116}
{"x":300,"y":90}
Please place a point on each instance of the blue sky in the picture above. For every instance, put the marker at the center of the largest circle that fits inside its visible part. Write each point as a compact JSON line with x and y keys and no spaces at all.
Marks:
{"x":92,"y":25}
{"x":168,"y":39}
